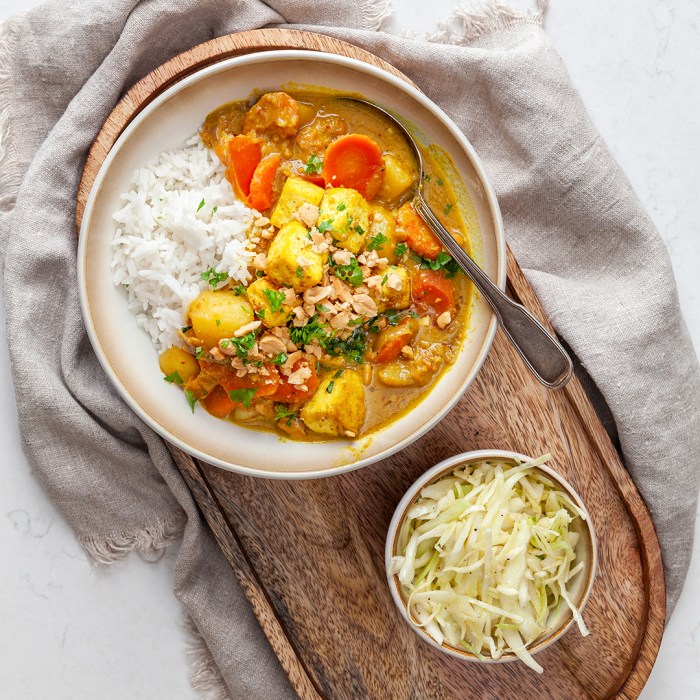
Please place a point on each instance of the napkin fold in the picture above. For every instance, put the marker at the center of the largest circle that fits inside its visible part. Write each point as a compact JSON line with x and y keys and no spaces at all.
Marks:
{"x":572,"y":219}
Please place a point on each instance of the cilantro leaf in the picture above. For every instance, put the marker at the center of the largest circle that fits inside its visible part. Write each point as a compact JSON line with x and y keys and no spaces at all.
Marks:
{"x":244,"y":344}
{"x":201,"y":204}
{"x":184,"y":329}
{"x":239,"y":290}
{"x":275,"y":298}
{"x":443,"y":262}
{"x":191,"y":400}
{"x":329,"y":388}
{"x":283,"y":412}
{"x":341,"y":206}
{"x":448,"y":208}
{"x":324,"y":226}
{"x":279,"y":359}
{"x":213,"y":277}
{"x":377,"y":241}
{"x":350,"y":273}
{"x":244,"y":396}
{"x":314,"y":165}
{"x":174,"y":377}
{"x":199,"y":352}
{"x":400,"y":249}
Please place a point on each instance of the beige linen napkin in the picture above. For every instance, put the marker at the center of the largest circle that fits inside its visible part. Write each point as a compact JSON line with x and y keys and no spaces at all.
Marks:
{"x":579,"y":232}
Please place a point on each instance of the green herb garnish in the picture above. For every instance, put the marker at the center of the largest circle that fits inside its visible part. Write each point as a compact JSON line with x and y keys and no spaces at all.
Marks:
{"x":184,"y":329}
{"x":400,"y":249}
{"x":239,"y":290}
{"x":341,"y":206}
{"x":201,"y":204}
{"x":440,"y":182}
{"x":191,"y":400}
{"x":213,"y":277}
{"x":376,"y":241}
{"x":174,"y":377}
{"x":214,"y":210}
{"x":218,"y":321}
{"x":448,"y":208}
{"x":275,"y":298}
{"x":350,"y":273}
{"x":300,"y":272}
{"x":199,"y":352}
{"x":330,"y":386}
{"x":244,"y":344}
{"x":324,"y":226}
{"x":314,"y":165}
{"x":280,"y":359}
{"x":443,"y":262}
{"x":244,"y":396}
{"x":284,"y":412}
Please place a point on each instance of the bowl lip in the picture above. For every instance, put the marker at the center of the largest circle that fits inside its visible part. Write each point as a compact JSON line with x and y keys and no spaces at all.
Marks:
{"x":433,"y":474}
{"x":265,"y":57}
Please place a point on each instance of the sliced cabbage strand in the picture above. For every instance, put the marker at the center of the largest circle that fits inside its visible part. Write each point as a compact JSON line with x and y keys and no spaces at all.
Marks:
{"x":486,"y":557}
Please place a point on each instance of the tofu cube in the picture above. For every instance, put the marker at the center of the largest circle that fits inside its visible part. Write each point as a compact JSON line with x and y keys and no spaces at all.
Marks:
{"x":387,"y":296}
{"x":264,"y":297}
{"x":382,"y":225}
{"x":345,"y":215}
{"x":290,"y":260}
{"x":296,"y":191}
{"x":338,"y":406}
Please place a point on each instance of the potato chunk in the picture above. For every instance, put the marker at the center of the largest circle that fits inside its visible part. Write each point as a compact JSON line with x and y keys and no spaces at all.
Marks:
{"x":345,"y":215}
{"x":395,"y":292}
{"x":338,"y":406}
{"x":290,"y":260}
{"x":274,"y":113}
{"x":176,"y":359}
{"x":218,"y":315}
{"x":268,"y":303}
{"x":397,"y":179}
{"x":382,"y":225}
{"x":417,"y":371}
{"x":296,"y":191}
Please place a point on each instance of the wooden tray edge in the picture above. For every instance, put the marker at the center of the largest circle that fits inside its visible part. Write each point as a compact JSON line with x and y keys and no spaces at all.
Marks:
{"x":140,"y":95}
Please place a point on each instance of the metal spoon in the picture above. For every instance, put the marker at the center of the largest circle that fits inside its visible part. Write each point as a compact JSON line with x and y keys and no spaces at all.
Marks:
{"x":541,"y":352}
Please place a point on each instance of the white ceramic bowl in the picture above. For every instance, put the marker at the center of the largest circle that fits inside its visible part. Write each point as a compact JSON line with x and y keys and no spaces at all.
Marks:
{"x":126,"y":352}
{"x":581,"y":584}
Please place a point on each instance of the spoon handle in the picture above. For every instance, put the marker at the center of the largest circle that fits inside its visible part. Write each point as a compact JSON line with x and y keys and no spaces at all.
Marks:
{"x":541,"y":352}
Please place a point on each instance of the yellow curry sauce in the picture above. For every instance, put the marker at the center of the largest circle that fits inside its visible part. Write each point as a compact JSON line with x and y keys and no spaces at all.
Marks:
{"x":353,"y":308}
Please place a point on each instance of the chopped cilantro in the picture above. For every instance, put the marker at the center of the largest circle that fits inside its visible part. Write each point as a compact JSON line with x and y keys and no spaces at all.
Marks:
{"x":224,"y":343}
{"x":260,"y":273}
{"x":448,"y":208}
{"x":213,"y":277}
{"x":280,"y":359}
{"x":244,"y":344}
{"x":199,"y":352}
{"x":214,"y":210}
{"x":385,"y":278}
{"x":440,"y":182}
{"x":377,"y":241}
{"x":300,"y":272}
{"x":284,"y":412}
{"x":201,"y":204}
{"x":306,"y":333}
{"x":443,"y":262}
{"x":426,"y":178}
{"x":184,"y":329}
{"x":313,"y":165}
{"x":174,"y":377}
{"x":239,"y":290}
{"x":400,"y":249}
{"x":330,"y":386}
{"x":322,"y":308}
{"x":353,"y":349}
{"x":326,"y":225}
{"x":275,"y":298}
{"x":341,"y":206}
{"x":244,"y":396}
{"x":260,"y":312}
{"x":350,"y":273}
{"x":359,"y":229}
{"x":218,"y":321}
{"x":392,"y":316}
{"x":338,"y":373}
{"x":191,"y":400}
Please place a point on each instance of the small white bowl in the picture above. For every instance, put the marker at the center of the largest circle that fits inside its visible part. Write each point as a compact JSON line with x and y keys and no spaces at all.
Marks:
{"x":125,"y":351}
{"x":586,"y":549}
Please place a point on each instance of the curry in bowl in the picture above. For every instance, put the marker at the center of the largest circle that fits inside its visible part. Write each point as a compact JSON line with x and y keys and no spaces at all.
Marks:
{"x":347,"y":310}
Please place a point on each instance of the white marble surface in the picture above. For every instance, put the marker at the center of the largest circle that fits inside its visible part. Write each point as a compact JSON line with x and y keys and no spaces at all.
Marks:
{"x":71,"y":630}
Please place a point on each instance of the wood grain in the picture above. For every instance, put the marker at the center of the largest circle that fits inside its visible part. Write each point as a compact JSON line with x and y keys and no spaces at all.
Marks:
{"x":309,"y":554}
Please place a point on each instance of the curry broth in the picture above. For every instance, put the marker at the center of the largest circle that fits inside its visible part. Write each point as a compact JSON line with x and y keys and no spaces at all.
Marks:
{"x":323,"y":112}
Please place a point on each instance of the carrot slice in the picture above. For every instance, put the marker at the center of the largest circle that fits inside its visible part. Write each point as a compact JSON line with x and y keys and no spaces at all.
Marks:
{"x":244,"y":155}
{"x":262,"y":183}
{"x":291,"y":393}
{"x":264,"y":385}
{"x":430,"y":288}
{"x":354,"y":161}
{"x":392,"y":340}
{"x":419,"y":237}
{"x":218,"y":403}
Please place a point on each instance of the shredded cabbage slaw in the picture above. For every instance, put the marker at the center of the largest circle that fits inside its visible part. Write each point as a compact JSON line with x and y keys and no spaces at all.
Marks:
{"x":486,"y":555}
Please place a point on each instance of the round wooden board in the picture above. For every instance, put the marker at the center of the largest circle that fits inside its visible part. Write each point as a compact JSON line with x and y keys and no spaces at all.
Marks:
{"x":250,"y":517}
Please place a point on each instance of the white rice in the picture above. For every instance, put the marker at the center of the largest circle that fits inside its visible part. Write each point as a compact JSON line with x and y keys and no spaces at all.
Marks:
{"x":164,"y":240}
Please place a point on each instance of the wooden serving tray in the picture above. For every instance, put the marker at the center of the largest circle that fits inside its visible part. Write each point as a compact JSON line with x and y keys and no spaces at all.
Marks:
{"x":309,"y":554}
